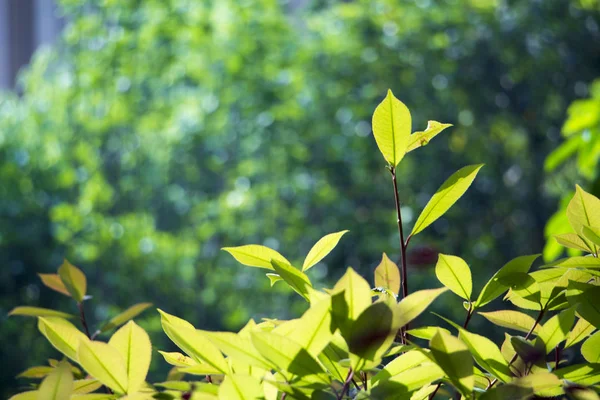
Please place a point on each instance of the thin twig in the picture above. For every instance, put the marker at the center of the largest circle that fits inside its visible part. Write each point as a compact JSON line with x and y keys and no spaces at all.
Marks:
{"x":556,"y":356}
{"x":432,"y":395}
{"x":346,"y":384}
{"x":469,"y":314}
{"x":83,"y":321}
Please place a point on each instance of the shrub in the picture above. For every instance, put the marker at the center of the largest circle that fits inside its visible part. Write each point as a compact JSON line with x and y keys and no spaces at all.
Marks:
{"x":356,"y":340}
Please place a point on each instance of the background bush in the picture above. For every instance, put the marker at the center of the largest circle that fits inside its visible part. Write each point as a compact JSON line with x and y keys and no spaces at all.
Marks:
{"x":157,"y":132}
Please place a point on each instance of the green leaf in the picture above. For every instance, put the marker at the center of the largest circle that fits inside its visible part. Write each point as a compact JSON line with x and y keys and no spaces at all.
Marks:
{"x":454,"y":358}
{"x":592,"y":234}
{"x":105,"y":363}
{"x":273,"y":278}
{"x":511,"y":319}
{"x":422,"y":138}
{"x":193,"y":343}
{"x":321,"y":249}
{"x":555,"y":330}
{"x":287,"y":355}
{"x":454,"y":273}
{"x":392,"y":125}
{"x":530,"y":352}
{"x":296,"y":279}
{"x":351,"y":296}
{"x":581,"y":330}
{"x":255,"y":255}
{"x":590,"y":349}
{"x":74,"y":280}
{"x":400,"y":386}
{"x":494,"y":287}
{"x":387,"y":275}
{"x":125,"y":316}
{"x":238,"y":347}
{"x":315,"y":328}
{"x":425,"y":332}
{"x":84,"y":386}
{"x":576,"y":262}
{"x":58,"y":385}
{"x":54,"y":282}
{"x":525,"y":387}
{"x":572,"y":241}
{"x":62,"y":335}
{"x":524,"y":286}
{"x":240,"y":387}
{"x":400,"y":364}
{"x":583,"y":209}
{"x":177,"y":359}
{"x":446,"y":196}
{"x":584,"y":374}
{"x":414,"y":304}
{"x":36,"y":372}
{"x":134,"y":345}
{"x":38,"y":312}
{"x":588,"y":305}
{"x":30,"y":395}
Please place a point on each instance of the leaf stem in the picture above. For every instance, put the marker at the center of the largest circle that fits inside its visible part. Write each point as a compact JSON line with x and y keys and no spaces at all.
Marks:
{"x":469,"y":315}
{"x":346,"y":384}
{"x":83,"y":320}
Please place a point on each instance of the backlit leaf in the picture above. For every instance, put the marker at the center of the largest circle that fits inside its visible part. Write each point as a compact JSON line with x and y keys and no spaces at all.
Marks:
{"x":296,"y":279}
{"x":494,"y":287}
{"x":321,"y":249}
{"x":240,"y":387}
{"x":592,"y":234}
{"x":584,"y":374}
{"x":422,"y":138}
{"x":590,"y":349}
{"x":401,"y":386}
{"x":555,"y":330}
{"x":255,"y":255}
{"x":84,"y":386}
{"x":511,"y":319}
{"x":454,"y":358}
{"x":425,"y":332}
{"x":54,"y":282}
{"x":454,"y":273}
{"x":134,"y":345}
{"x":36,"y":372}
{"x":572,"y":241}
{"x":58,"y":385}
{"x":62,"y":335}
{"x":576,"y":262}
{"x":238,"y":347}
{"x":74,"y":280}
{"x":105,"y":363}
{"x":414,"y":304}
{"x":387,"y":275}
{"x":392,"y":126}
{"x":400,"y":364}
{"x":588,"y":305}
{"x":38,"y":312}
{"x":583,"y":209}
{"x":352,"y":295}
{"x":177,"y":359}
{"x":448,"y":194}
{"x":314,"y":329}
{"x":580,"y":331}
{"x":125,"y":316}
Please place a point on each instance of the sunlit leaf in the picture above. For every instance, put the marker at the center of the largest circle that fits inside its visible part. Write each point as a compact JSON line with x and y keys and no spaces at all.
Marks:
{"x":351,"y":296}
{"x":448,"y":194}
{"x":572,"y":241}
{"x":511,"y":319}
{"x":273,"y":278}
{"x":525,"y":387}
{"x":587,"y":305}
{"x":177,"y":359}
{"x":125,"y":316}
{"x":494,"y":287}
{"x":38,"y":312}
{"x":321,"y":249}
{"x":54,"y":282}
{"x":387,"y":275}
{"x":454,"y":273}
{"x":414,"y":304}
{"x":399,"y":365}
{"x":392,"y":126}
{"x":401,"y":385}
{"x":30,"y":395}
{"x":583,"y":209}
{"x":62,"y":335}
{"x":422,"y":138}
{"x":105,"y":363}
{"x":592,"y":234}
{"x":454,"y":358}
{"x":314,"y":329}
{"x":134,"y":345}
{"x":590,"y":349}
{"x":240,"y":387}
{"x":58,"y":385}
{"x":425,"y":332}
{"x":238,"y":347}
{"x":84,"y":386}
{"x":295,"y":278}
{"x":74,"y":280}
{"x":36,"y":372}
{"x":576,"y":262}
{"x":531,"y":352}
{"x":556,"y":329}
{"x":584,"y":374}
{"x":255,"y":255}
{"x":580,"y":331}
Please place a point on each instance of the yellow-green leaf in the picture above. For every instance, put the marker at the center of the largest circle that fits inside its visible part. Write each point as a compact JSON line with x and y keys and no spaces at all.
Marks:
{"x":448,"y":194}
{"x":74,"y":280}
{"x":414,"y":304}
{"x":392,"y":125}
{"x":296,"y":279}
{"x":351,"y":296}
{"x":592,"y":234}
{"x":572,"y":241}
{"x":84,"y":386}
{"x":401,"y":386}
{"x":274,"y":278}
{"x":576,"y":262}
{"x":255,"y":255}
{"x":134,"y":345}
{"x":196,"y":345}
{"x":238,"y":347}
{"x":422,"y":138}
{"x":36,"y":372}
{"x":321,"y":249}
{"x":454,"y":273}
{"x":62,"y":335}
{"x":497,"y":285}
{"x":580,"y":331}
{"x":104,"y":363}
{"x":583,"y":209}
{"x":511,"y":319}
{"x":314,"y":329}
{"x":54,"y":282}
{"x":177,"y":359}
{"x":387,"y":275}
{"x":30,"y":395}
{"x":38,"y":312}
{"x":400,"y":364}
{"x":590,"y":349}
{"x":425,"y":332}
{"x":240,"y":387}
{"x":125,"y":316}
{"x":454,"y":358}
{"x":555,"y":330}
{"x":58,"y":385}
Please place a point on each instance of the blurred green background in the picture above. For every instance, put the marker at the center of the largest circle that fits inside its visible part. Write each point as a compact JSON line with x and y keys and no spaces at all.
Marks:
{"x":153,"y":133}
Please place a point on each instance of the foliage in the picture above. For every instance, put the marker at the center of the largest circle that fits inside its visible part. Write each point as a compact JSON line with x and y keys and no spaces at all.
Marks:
{"x":354,"y":340}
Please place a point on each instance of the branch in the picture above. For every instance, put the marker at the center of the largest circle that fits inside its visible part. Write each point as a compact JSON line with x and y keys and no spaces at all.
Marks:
{"x":346,"y":384}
